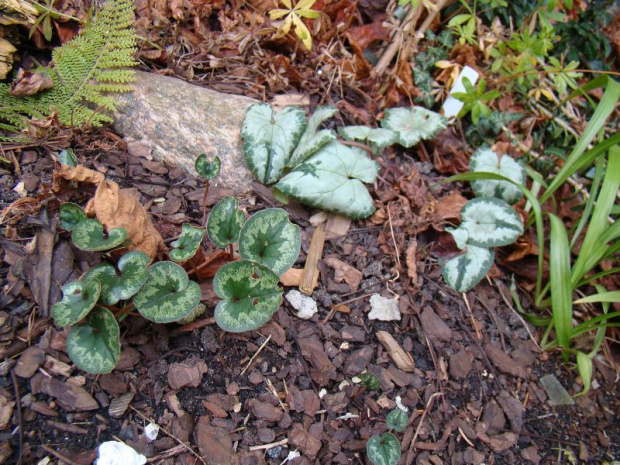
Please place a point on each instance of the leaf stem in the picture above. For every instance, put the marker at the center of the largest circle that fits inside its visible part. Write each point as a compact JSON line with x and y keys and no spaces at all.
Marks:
{"x":204,"y":203}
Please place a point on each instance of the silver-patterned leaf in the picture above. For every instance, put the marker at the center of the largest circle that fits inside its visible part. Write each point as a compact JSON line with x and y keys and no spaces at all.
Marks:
{"x":225,"y":222}
{"x":186,"y":246}
{"x":168,"y":295}
{"x":70,"y":215}
{"x":89,"y":235}
{"x":383,"y":450}
{"x":207,"y":169}
{"x":486,"y":160}
{"x":78,"y":299}
{"x":462,"y":273}
{"x":332,"y":179}
{"x":269,"y":238}
{"x":105,"y":275}
{"x":95,"y":345}
{"x":490,"y":222}
{"x":251,"y":296}
{"x":269,"y":139}
{"x":413,"y":124}
{"x":311,"y":140}
{"x":377,"y":138}
{"x":397,"y":420}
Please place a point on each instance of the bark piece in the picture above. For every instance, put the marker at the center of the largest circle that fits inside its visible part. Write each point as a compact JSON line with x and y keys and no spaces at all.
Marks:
{"x":69,"y":396}
{"x":505,"y":362}
{"x":310,"y":277}
{"x":401,"y":358}
{"x":513,"y":409}
{"x":434,"y":327}
{"x":187,"y":373}
{"x":29,"y":362}
{"x":119,"y":406}
{"x":264,"y":411}
{"x":460,"y":364}
{"x":308,"y":444}
{"x":345,"y":272}
{"x":357,"y":361}
{"x":214,"y":443}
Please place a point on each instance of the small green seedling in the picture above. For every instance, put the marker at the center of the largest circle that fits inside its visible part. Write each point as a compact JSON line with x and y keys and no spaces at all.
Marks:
{"x":67,"y":157}
{"x":370,"y":381}
{"x":207,"y":170}
{"x":385,"y":449}
{"x":413,"y":124}
{"x":187,"y":245}
{"x":224,"y":223}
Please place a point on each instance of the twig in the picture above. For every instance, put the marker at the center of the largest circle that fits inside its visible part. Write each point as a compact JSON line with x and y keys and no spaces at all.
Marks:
{"x":255,"y":355}
{"x":58,"y":455}
{"x":269,"y":446}
{"x":397,"y":40}
{"x":471,"y":316}
{"x":393,"y":237}
{"x":417,"y":430}
{"x":19,"y":417}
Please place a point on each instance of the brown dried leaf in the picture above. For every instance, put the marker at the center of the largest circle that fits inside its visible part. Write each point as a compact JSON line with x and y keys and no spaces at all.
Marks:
{"x":345,"y":272}
{"x":28,"y":83}
{"x":26,"y":206}
{"x":412,"y":266}
{"x":449,"y":208}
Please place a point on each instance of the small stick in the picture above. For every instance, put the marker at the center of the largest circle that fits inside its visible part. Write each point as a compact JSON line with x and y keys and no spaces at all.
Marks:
{"x":204,"y":203}
{"x":193,"y":325}
{"x":471,"y":316}
{"x":58,"y":455}
{"x":19,"y":417}
{"x":255,"y":355}
{"x":417,"y":430}
{"x":269,"y":446}
{"x":310,"y":277}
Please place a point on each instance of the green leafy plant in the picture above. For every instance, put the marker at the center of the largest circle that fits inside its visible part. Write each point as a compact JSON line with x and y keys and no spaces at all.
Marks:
{"x":46,"y":14}
{"x":474,"y":99}
{"x":293,"y":15}
{"x":207,"y":170}
{"x":385,"y":449}
{"x":225,"y":222}
{"x":413,"y":124}
{"x":187,"y":245}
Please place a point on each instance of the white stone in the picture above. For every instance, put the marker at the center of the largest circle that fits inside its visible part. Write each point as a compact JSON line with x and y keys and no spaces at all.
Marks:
{"x":305,"y":305}
{"x":151,"y":431}
{"x":383,"y":309}
{"x":452,"y":106}
{"x":117,"y":453}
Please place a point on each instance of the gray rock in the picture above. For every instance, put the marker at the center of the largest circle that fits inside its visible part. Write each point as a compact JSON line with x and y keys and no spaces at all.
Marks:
{"x":178,"y":121}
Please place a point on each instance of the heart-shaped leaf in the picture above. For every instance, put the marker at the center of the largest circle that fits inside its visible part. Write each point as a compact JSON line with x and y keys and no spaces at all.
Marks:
{"x":490,"y":222}
{"x":269,"y":139}
{"x":105,"y":275}
{"x":370,"y":381}
{"x":70,"y":215}
{"x":332,"y":179}
{"x":95,"y":345}
{"x":377,"y":138}
{"x":168,"y":295}
{"x":251,"y":296}
{"x":311,"y":140}
{"x":207,"y":169}
{"x":462,"y":273}
{"x":383,"y":450}
{"x":486,"y":160}
{"x":78,"y":299}
{"x":199,"y":310}
{"x":413,"y":124}
{"x":67,"y":157}
{"x":269,"y":238}
{"x":225,"y":222}
{"x":89,"y":235}
{"x":187,"y":244}
{"x":397,"y":420}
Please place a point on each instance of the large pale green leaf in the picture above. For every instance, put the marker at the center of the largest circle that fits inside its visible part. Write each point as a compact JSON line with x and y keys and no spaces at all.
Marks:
{"x":78,"y":299}
{"x":269,"y":238}
{"x":413,"y":124}
{"x":168,"y":295}
{"x":95,"y":345}
{"x":485,"y":160}
{"x":70,"y":215}
{"x":462,"y":273}
{"x":225,"y":222}
{"x":311,"y":140}
{"x":207,"y":169}
{"x":377,"y":138}
{"x":269,"y":139}
{"x":89,"y":235}
{"x":383,"y":450}
{"x":187,"y":244}
{"x":251,"y":296}
{"x":332,"y":179}
{"x":397,"y":420}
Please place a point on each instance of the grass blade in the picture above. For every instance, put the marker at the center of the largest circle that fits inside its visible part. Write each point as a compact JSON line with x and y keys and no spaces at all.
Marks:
{"x":612,"y":296}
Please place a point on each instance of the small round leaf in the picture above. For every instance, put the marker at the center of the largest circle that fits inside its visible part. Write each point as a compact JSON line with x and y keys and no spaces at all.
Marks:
{"x":67,"y":157}
{"x":89,"y":235}
{"x":462,"y":273}
{"x":78,"y":299}
{"x":134,"y":273}
{"x":490,"y":222}
{"x":269,"y":238}
{"x":251,"y":296}
{"x":207,"y":169}
{"x":486,"y":160}
{"x":225,"y":222}
{"x":168,"y":295}
{"x":187,"y":244}
{"x":383,"y":450}
{"x":70,"y":215}
{"x":397,"y":420}
{"x":370,"y":381}
{"x":95,"y":345}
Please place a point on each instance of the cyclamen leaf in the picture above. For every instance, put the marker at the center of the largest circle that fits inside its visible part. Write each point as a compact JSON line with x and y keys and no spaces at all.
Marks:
{"x":67,"y":157}
{"x":413,"y":124}
{"x":105,"y":275}
{"x":311,"y":140}
{"x":383,"y":450}
{"x":490,"y":222}
{"x":269,"y":139}
{"x":78,"y":299}
{"x":70,"y":215}
{"x":377,"y":138}
{"x":225,"y":222}
{"x":168,"y":295}
{"x":269,"y":238}
{"x":370,"y":381}
{"x":251,"y":296}
{"x":186,"y":246}
{"x":332,"y":179}
{"x":462,"y":273}
{"x":397,"y":420}
{"x":89,"y":235}
{"x":486,"y":160}
{"x":207,"y":169}
{"x":95,"y":345}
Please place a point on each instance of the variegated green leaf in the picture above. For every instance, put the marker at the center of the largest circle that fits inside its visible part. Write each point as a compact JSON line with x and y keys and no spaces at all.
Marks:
{"x":383,"y":450}
{"x":490,"y":222}
{"x":105,"y":275}
{"x":89,"y":235}
{"x":70,"y":215}
{"x":377,"y":138}
{"x":95,"y":345}
{"x":332,"y":179}
{"x":251,"y":296}
{"x":413,"y":124}
{"x":311,"y":140}
{"x":462,"y":273}
{"x":269,"y":139}
{"x":168,"y":295}
{"x":207,"y":169}
{"x":486,"y":160}
{"x":187,"y":244}
{"x":67,"y":157}
{"x":199,"y":310}
{"x":397,"y":420}
{"x":269,"y":238}
{"x":78,"y":299}
{"x":225,"y":222}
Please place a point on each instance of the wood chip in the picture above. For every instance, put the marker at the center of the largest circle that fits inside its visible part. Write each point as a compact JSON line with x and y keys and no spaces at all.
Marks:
{"x":292,"y":277}
{"x":67,"y":427}
{"x":401,"y":358}
{"x":337,"y":226}
{"x":315,"y":252}
{"x":119,"y":406}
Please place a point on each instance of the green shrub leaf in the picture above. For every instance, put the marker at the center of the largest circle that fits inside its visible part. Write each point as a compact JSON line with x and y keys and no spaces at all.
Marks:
{"x":78,"y":299}
{"x":383,"y":450}
{"x":269,"y":139}
{"x":168,"y":295}
{"x":89,"y":235}
{"x":311,"y":140}
{"x":70,"y":215}
{"x":489,"y":222}
{"x":397,"y":420}
{"x":269,"y":238}
{"x":225,"y":222}
{"x":207,"y":169}
{"x":95,"y":345}
{"x":332,"y":179}
{"x":67,"y":157}
{"x":462,"y":273}
{"x":486,"y":160}
{"x":251,"y":296}
{"x":187,"y":244}
{"x":413,"y":124}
